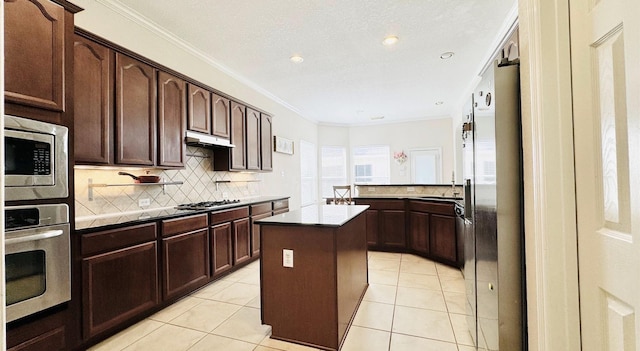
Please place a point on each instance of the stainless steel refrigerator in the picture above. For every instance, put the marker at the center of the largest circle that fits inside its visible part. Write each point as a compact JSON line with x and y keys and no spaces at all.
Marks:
{"x":494,"y":235}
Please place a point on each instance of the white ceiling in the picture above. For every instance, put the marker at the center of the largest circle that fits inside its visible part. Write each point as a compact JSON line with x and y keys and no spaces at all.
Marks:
{"x":347,"y":76}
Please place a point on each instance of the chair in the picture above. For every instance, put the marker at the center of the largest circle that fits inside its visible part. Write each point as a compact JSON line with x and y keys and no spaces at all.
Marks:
{"x":342,"y":195}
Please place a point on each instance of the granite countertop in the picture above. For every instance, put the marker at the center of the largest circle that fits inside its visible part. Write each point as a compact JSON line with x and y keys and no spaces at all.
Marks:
{"x":317,"y":215}
{"x":114,"y":220}
{"x":410,"y":197}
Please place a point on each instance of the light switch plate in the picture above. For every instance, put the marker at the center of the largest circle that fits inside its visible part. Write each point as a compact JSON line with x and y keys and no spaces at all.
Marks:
{"x":144,"y":202}
{"x":287,"y":258}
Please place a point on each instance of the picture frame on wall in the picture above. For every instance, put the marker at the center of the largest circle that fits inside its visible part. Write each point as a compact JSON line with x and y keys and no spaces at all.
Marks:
{"x":282,"y":145}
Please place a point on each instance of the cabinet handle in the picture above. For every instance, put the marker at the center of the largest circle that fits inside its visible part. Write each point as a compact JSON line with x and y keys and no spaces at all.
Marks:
{"x":41,"y":236}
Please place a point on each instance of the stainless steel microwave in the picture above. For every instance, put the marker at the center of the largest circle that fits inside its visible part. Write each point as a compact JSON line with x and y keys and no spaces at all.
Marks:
{"x":36,"y":159}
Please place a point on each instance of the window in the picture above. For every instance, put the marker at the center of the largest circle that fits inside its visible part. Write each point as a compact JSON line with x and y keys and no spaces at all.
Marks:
{"x":334,"y":168}
{"x":425,"y":166}
{"x":308,"y":173}
{"x":371,"y":165}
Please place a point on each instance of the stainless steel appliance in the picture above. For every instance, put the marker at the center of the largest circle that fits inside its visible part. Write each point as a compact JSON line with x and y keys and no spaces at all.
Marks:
{"x":205,"y":205}
{"x":37,"y":258}
{"x":36,"y":159}
{"x":494,"y":261}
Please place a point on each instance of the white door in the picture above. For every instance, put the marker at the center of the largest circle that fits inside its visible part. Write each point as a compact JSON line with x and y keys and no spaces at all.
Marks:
{"x":425,"y":166}
{"x":605,"y":50}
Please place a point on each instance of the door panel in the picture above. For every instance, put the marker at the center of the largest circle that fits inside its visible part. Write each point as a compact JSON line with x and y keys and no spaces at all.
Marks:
{"x":605,"y":50}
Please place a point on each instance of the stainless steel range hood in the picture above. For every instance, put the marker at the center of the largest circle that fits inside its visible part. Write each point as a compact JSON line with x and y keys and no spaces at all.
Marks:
{"x":204,"y":140}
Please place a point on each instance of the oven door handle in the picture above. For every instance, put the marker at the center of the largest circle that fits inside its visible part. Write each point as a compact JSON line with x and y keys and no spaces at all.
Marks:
{"x":35,"y":237}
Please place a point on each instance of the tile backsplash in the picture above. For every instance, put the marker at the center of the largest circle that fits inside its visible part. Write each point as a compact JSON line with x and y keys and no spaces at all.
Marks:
{"x":199,"y":184}
{"x":407,"y":190}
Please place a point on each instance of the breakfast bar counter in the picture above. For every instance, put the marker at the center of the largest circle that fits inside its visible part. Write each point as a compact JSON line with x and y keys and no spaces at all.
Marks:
{"x":314,"y":274}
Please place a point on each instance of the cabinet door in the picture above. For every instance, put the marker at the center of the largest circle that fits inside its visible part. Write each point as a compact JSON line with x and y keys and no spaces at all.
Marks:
{"x":419,"y":229}
{"x":53,"y":340}
{"x":238,"y":136}
{"x":186,"y":262}
{"x":199,"y":115}
{"x":222,"y":259}
{"x":443,"y":237}
{"x":372,"y":227}
{"x":220,"y":110}
{"x":255,"y":234}
{"x":242,"y":240}
{"x":171,"y":120}
{"x":393,"y":227}
{"x":135,"y":112}
{"x":266,"y":142}
{"x":34,"y":53}
{"x":253,"y":139}
{"x":118,"y":285}
{"x":93,"y":102}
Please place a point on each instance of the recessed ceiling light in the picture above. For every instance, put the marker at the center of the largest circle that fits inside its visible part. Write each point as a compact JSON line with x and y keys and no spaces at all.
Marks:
{"x":447,"y":55}
{"x":296,"y":59}
{"x":439,"y":103}
{"x":377,"y":118}
{"x":390,"y":40}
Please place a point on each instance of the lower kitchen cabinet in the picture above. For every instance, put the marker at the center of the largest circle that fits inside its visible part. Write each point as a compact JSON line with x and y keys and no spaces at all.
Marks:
{"x":385,"y":223}
{"x":372,"y":227}
{"x":443,"y":237}
{"x":120,"y":276}
{"x":393,"y":226}
{"x":419,"y":232}
{"x":230,"y":238}
{"x":185,"y":255}
{"x":46,"y":333}
{"x":258,"y":211}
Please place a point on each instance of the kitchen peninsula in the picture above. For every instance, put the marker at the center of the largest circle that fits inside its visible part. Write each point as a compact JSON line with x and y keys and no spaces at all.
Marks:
{"x":313,"y":273}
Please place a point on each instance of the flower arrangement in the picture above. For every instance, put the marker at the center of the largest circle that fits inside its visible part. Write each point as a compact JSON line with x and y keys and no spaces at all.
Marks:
{"x":400,"y":157}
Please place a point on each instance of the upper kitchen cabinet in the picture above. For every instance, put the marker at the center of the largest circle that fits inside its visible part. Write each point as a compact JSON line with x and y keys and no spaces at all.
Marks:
{"x":199,"y":115}
{"x":220,"y":110}
{"x":266,"y":137}
{"x":253,"y":139}
{"x":171,"y":120}
{"x":93,"y":102}
{"x":38,"y":58}
{"x":135,"y":112}
{"x":238,"y":136}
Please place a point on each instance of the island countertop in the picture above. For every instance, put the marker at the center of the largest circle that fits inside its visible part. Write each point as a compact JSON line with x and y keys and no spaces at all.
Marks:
{"x":317,"y":215}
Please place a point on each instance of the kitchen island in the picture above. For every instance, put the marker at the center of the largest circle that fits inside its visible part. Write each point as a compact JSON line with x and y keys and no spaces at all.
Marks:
{"x":314,"y":274}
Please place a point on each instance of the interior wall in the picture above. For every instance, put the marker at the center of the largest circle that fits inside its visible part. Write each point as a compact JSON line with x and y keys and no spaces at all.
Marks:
{"x":405,"y":136}
{"x":132,"y":32}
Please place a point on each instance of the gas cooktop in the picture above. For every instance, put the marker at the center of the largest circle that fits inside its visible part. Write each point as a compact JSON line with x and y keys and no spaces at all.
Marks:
{"x":205,"y":205}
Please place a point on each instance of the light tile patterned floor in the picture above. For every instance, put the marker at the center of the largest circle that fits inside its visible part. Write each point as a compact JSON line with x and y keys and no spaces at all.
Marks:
{"x":412,"y":304}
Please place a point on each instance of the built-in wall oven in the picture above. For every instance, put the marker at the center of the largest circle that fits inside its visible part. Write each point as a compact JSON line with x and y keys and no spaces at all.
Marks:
{"x":36,"y":159}
{"x":37,"y":258}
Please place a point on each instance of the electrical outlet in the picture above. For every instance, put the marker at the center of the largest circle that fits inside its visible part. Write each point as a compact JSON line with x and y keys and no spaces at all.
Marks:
{"x":144,"y":202}
{"x":411,"y":189}
{"x":287,"y":258}
{"x":371,"y":189}
{"x":225,"y":195}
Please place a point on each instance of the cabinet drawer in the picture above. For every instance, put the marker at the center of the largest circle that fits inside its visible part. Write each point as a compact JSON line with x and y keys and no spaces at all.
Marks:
{"x":228,"y":215}
{"x":183,"y":225}
{"x":117,"y":238}
{"x":432,"y":207}
{"x":382,"y":204}
{"x":260,"y":209}
{"x":280,"y":204}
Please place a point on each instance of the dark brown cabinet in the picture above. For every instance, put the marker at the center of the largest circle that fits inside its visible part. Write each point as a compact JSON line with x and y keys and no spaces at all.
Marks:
{"x":385,"y":223}
{"x":199,"y":115}
{"x":230,"y":238}
{"x":34,"y":45}
{"x":221,"y":246}
{"x":185,"y":255}
{"x":266,"y":142}
{"x":443,"y":237}
{"x":253,"y":139}
{"x":238,"y":136}
{"x":259,"y":211}
{"x":120,"y":276}
{"x":220,"y":110}
{"x":53,"y":340}
{"x":135,"y":112}
{"x":419,"y":231}
{"x":171,"y":120}
{"x":93,"y":102}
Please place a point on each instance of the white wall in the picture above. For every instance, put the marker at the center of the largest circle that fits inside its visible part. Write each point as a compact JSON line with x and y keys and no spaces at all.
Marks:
{"x":404,"y":136}
{"x":126,"y":30}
